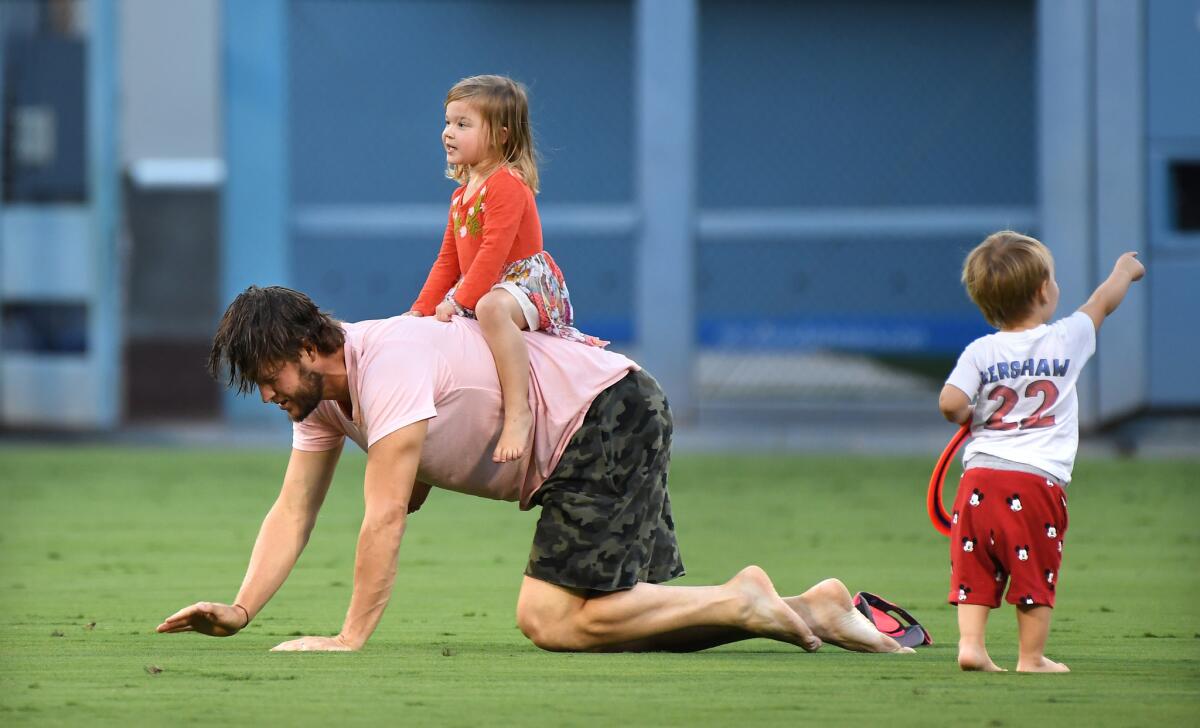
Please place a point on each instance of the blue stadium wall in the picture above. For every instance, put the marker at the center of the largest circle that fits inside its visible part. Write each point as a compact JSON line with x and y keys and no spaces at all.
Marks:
{"x":846,"y":157}
{"x":367,"y":84}
{"x":911,"y":110}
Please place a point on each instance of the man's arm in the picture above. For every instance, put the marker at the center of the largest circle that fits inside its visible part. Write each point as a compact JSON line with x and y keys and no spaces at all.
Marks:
{"x":392,"y":464}
{"x":1111,"y":292}
{"x":282,"y":537}
{"x":286,"y":529}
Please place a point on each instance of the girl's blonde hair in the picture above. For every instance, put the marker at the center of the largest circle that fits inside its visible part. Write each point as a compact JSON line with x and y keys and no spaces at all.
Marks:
{"x":1003,"y":275}
{"x":503,"y":104}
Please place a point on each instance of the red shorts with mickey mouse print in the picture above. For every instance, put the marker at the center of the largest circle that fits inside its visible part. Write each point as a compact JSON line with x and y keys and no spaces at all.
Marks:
{"x":1008,"y":526}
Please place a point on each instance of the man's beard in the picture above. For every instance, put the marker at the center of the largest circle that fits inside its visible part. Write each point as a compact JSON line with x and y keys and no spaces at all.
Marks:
{"x":308,"y":395}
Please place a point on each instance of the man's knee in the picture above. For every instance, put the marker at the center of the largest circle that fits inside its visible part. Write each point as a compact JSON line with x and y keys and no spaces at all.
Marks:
{"x":553,"y":625}
{"x":549,"y":632}
{"x":574,"y":632}
{"x":534,"y":627}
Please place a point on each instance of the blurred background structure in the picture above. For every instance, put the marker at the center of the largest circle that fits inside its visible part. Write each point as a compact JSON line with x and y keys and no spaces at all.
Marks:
{"x":768,"y":203}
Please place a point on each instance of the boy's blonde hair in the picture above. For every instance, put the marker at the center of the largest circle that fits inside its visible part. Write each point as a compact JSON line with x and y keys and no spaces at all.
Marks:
{"x":1003,"y":275}
{"x":503,"y":104}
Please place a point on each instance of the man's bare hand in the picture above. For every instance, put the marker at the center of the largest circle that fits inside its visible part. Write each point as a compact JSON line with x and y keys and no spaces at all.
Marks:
{"x":210,"y":618}
{"x":314,"y":644}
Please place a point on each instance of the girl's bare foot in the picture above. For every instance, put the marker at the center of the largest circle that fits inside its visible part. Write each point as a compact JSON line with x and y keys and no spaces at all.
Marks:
{"x":1042,"y":664}
{"x":513,"y":437}
{"x":828,"y":609}
{"x":767,"y":614}
{"x":972,"y":658}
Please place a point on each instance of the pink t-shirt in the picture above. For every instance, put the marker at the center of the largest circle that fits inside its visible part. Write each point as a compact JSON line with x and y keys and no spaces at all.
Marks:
{"x":407,"y":369}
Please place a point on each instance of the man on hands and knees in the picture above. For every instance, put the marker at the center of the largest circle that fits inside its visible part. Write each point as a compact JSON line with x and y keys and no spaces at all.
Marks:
{"x":422,"y":398}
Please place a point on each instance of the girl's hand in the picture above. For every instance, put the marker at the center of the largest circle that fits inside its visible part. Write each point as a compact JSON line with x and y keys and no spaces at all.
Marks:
{"x":413,"y":312}
{"x":444,"y":311}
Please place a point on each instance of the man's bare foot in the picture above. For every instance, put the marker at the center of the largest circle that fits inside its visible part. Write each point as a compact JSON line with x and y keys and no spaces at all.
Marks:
{"x":828,"y":609}
{"x":513,"y":437}
{"x":1042,"y":664}
{"x":766,"y":614}
{"x":972,"y":658}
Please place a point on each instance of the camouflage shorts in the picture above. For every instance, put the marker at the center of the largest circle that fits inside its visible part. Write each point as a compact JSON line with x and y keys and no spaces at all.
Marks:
{"x":606,"y":517}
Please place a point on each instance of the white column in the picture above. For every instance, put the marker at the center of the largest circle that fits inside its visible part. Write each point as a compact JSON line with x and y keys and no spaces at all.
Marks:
{"x":666,"y":47}
{"x":105,"y":332}
{"x":1065,"y":161}
{"x":254,"y":209}
{"x":1122,"y":350}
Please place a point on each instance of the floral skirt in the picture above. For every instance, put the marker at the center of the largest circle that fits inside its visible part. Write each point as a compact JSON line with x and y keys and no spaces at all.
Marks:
{"x":539,"y":287}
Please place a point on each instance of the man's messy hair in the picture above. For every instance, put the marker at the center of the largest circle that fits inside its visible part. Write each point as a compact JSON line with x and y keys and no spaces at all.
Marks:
{"x":263,"y":329}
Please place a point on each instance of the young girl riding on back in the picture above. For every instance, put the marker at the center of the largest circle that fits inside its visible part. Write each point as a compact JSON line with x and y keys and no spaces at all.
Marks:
{"x":491,"y":265}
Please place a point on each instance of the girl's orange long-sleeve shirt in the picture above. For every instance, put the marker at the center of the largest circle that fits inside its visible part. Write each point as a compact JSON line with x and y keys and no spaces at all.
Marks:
{"x":497,"y":226}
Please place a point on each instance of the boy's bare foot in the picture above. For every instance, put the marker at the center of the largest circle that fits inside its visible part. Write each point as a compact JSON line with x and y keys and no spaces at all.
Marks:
{"x":1043,"y":664}
{"x":513,"y":437}
{"x":767,"y":614}
{"x":829,"y":611}
{"x":976,"y":659}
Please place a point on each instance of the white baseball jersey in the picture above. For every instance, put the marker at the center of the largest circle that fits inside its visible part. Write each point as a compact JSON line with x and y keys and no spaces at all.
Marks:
{"x":1023,"y":384}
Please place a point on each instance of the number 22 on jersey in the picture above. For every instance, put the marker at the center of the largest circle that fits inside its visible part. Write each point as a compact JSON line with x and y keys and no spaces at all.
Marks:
{"x":1008,"y":398}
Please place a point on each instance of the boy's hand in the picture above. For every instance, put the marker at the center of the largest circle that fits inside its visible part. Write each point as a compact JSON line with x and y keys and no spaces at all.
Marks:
{"x":444,"y":311}
{"x":1111,"y":292}
{"x":1129,"y":264}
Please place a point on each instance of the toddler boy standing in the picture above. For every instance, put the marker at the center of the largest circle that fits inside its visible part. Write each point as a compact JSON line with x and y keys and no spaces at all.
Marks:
{"x":1017,"y":389}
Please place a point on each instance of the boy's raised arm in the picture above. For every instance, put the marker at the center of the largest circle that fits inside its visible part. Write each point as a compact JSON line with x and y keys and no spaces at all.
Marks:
{"x":1109,"y":294}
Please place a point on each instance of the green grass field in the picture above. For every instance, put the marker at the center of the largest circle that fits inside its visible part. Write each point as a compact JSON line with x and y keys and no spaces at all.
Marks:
{"x":98,"y":545}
